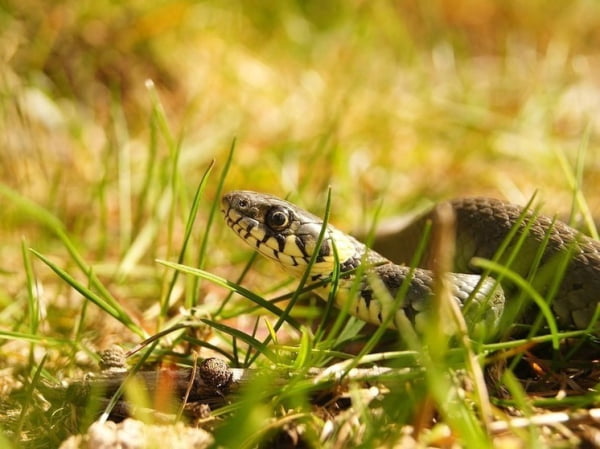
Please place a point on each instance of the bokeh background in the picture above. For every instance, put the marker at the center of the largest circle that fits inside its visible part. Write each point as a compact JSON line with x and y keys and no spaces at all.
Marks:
{"x":110,"y":113}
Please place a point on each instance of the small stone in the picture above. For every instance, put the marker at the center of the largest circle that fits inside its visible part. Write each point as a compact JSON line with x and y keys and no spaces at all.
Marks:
{"x":215,"y":373}
{"x":132,"y":434}
{"x":113,"y":359}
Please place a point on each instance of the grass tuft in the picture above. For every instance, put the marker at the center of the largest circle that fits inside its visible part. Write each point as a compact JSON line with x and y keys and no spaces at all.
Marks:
{"x":122,"y":124}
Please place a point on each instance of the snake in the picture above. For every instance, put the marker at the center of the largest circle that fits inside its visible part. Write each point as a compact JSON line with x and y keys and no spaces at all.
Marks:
{"x":558,"y":260}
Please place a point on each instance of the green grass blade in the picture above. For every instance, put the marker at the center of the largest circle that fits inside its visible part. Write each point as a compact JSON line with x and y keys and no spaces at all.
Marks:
{"x":189,"y":227}
{"x":193,"y":300}
{"x":214,"y":348}
{"x":52,"y":223}
{"x":217,"y":280}
{"x":29,"y":396}
{"x":238,"y":281}
{"x":33,"y":306}
{"x":113,"y":308}
{"x":124,"y":182}
{"x":149,"y":174}
{"x":35,"y":338}
{"x":526,"y":287}
{"x":259,"y":346}
{"x":575,"y":180}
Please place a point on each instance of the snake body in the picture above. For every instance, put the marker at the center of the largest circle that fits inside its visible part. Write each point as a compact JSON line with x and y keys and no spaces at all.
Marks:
{"x":542,"y":249}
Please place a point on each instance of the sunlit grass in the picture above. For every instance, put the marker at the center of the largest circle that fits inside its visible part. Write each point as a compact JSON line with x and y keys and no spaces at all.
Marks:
{"x":121,"y":125}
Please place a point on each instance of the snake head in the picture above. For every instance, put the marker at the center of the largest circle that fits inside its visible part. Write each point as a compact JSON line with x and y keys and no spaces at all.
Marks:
{"x":285,"y":233}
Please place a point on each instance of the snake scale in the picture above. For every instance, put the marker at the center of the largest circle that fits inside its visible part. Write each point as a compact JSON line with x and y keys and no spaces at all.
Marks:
{"x":287,"y":234}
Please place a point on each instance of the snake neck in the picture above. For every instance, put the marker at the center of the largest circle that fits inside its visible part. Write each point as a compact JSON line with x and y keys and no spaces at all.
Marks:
{"x":344,"y":250}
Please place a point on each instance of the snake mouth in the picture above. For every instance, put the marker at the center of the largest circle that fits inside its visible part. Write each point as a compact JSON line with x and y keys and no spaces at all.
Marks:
{"x":274,"y":228}
{"x":226,"y":204}
{"x":237,"y":220}
{"x":245,"y":217}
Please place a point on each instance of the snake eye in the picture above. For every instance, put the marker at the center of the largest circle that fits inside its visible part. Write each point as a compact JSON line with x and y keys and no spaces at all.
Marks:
{"x":242,"y":204}
{"x":277,"y":219}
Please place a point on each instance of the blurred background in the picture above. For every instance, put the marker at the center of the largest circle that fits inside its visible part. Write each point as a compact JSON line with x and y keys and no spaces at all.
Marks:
{"x":112,"y":112}
{"x":107,"y":106}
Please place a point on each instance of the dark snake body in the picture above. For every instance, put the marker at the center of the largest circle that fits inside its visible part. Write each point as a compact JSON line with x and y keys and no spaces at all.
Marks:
{"x":283,"y":232}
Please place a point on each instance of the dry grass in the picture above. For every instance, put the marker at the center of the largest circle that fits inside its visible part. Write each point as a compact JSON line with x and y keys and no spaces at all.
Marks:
{"x":393,"y":103}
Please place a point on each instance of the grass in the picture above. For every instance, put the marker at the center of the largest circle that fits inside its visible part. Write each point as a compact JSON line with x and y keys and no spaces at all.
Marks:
{"x":120,"y":126}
